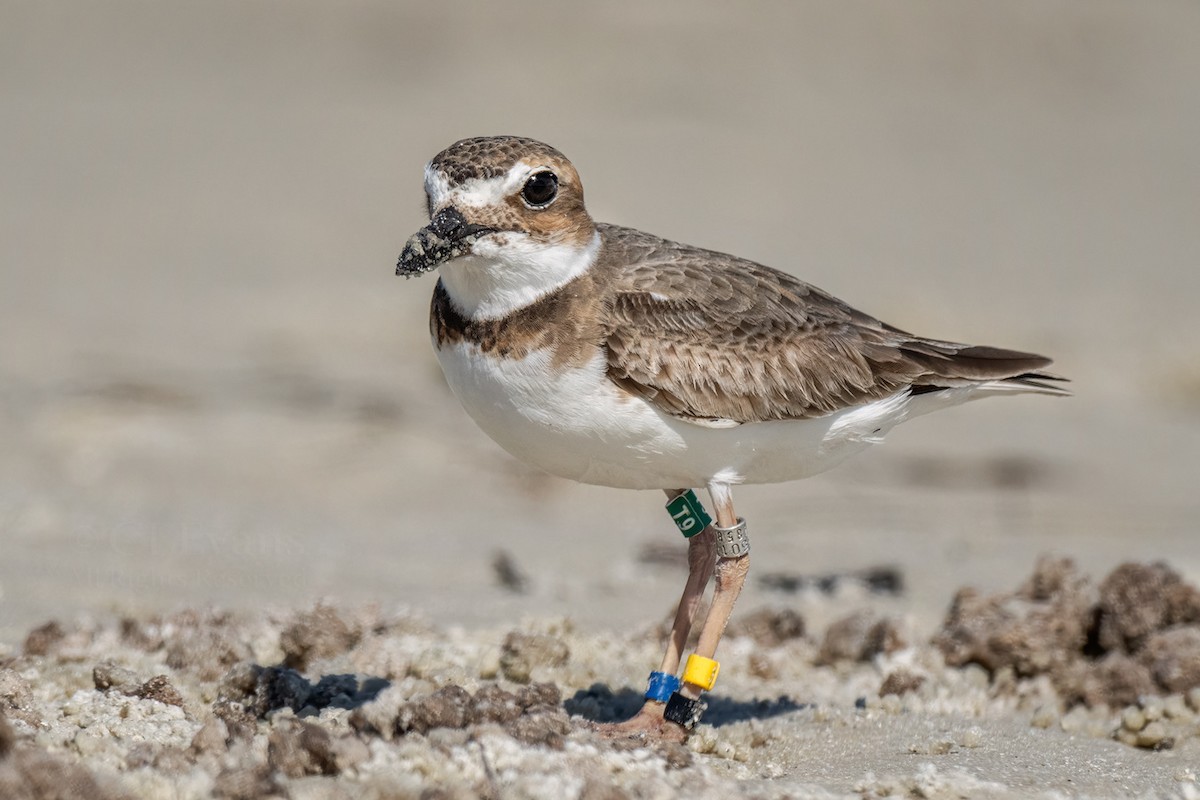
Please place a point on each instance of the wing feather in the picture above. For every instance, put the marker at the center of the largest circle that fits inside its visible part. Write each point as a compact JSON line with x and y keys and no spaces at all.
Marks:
{"x":707,"y":336}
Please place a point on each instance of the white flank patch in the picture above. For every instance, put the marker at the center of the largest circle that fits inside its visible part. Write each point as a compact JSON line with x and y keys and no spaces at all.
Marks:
{"x":577,"y":424}
{"x":869,"y":423}
{"x":509,"y":270}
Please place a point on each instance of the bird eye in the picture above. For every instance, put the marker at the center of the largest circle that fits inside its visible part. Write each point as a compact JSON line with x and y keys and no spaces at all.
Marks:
{"x":540,"y":189}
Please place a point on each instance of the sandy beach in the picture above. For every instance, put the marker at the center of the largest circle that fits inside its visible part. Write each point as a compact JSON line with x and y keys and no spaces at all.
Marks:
{"x":220,"y":413}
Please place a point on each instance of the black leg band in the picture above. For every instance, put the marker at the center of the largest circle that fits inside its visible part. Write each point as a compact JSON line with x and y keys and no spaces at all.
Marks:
{"x":684,"y":710}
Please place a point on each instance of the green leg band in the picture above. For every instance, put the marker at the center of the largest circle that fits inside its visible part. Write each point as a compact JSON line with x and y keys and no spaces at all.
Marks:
{"x":689,"y":514}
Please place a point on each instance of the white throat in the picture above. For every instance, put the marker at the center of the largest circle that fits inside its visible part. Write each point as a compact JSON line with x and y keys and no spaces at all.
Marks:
{"x":508,"y":271}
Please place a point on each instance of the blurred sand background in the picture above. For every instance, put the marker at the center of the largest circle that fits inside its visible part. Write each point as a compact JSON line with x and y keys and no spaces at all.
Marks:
{"x":213,"y":389}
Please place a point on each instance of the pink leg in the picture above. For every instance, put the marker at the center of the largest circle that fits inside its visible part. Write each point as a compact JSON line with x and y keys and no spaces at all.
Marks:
{"x":702,"y":556}
{"x":730,"y":577}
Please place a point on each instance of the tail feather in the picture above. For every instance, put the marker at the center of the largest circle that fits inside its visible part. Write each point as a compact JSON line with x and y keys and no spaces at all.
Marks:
{"x":993,"y":369}
{"x":1033,"y":382}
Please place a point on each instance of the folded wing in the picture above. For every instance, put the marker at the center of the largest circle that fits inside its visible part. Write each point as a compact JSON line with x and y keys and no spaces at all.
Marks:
{"x":706,"y":336}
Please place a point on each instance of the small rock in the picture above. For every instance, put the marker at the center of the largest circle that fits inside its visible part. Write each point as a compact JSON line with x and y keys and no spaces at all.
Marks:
{"x":240,"y":724}
{"x":320,"y":633}
{"x":92,"y":740}
{"x":971,"y":738}
{"x":1080,"y":719}
{"x":1175,"y":707}
{"x":41,"y":640}
{"x":760,"y":666}
{"x":1153,"y":735}
{"x":204,"y":652}
{"x":350,"y":751}
{"x":48,"y":777}
{"x":1115,"y":680}
{"x":7,"y":736}
{"x":594,"y":789}
{"x":770,"y":627}
{"x":380,"y":717}
{"x":676,"y":755}
{"x":139,"y":755}
{"x":523,"y":652}
{"x":1135,"y":601}
{"x":543,"y":728}
{"x":703,"y":740}
{"x":724,"y":750}
{"x":245,"y":783}
{"x":108,"y":675}
{"x":1038,"y":629}
{"x":1052,"y":576}
{"x":1126,"y":737}
{"x":1044,"y":717}
{"x":159,"y":688}
{"x":1173,"y":657}
{"x":1183,"y":604}
{"x":859,"y":637}
{"x":900,"y":681}
{"x":489,"y":664}
{"x":172,"y":760}
{"x":213,"y":737}
{"x":1152,"y":707}
{"x":539,"y":695}
{"x":493,"y":704}
{"x":1132,"y":719}
{"x":145,"y":635}
{"x":16,"y":698}
{"x":241,"y":681}
{"x":448,"y":707}
{"x":297,"y":748}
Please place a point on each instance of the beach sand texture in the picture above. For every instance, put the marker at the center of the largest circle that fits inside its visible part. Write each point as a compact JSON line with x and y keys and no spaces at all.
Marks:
{"x":214,"y":392}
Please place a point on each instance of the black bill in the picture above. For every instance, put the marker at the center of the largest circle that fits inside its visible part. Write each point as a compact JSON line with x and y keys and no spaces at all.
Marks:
{"x":446,"y":237}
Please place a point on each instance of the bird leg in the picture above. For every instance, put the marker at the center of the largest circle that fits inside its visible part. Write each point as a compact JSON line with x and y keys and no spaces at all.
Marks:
{"x":733,"y":550}
{"x":702,"y":556}
{"x":725,"y":545}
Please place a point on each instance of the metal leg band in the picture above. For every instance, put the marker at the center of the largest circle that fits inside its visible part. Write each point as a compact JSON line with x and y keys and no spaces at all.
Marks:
{"x":661,"y":686}
{"x":688,"y":513}
{"x":732,"y":542}
{"x":684,"y":710}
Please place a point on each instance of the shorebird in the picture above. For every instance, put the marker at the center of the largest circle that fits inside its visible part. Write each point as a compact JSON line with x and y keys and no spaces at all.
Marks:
{"x":614,"y":357}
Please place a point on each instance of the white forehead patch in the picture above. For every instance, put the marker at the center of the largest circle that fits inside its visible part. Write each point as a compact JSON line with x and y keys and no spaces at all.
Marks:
{"x":476,"y":192}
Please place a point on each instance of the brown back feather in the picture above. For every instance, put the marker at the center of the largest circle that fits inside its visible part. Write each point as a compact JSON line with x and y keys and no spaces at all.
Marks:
{"x":706,"y":335}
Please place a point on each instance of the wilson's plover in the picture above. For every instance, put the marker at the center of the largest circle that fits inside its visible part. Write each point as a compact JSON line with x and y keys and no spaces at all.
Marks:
{"x":614,"y":357}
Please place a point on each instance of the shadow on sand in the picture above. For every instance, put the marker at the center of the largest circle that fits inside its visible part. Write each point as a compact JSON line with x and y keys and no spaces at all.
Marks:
{"x":598,"y":703}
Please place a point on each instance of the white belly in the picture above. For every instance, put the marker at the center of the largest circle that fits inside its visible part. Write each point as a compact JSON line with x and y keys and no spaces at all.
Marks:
{"x":577,"y":424}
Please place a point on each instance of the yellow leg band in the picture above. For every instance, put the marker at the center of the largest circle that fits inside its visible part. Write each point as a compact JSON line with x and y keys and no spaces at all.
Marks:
{"x":701,"y":671}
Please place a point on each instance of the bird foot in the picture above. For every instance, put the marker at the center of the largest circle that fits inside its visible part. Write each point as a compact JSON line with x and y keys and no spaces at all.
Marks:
{"x":648,"y":725}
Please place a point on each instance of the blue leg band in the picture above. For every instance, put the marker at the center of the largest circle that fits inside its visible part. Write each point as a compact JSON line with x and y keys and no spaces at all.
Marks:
{"x":661,"y":686}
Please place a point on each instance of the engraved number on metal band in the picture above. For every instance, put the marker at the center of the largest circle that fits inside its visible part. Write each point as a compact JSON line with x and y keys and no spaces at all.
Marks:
{"x":732,"y":542}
